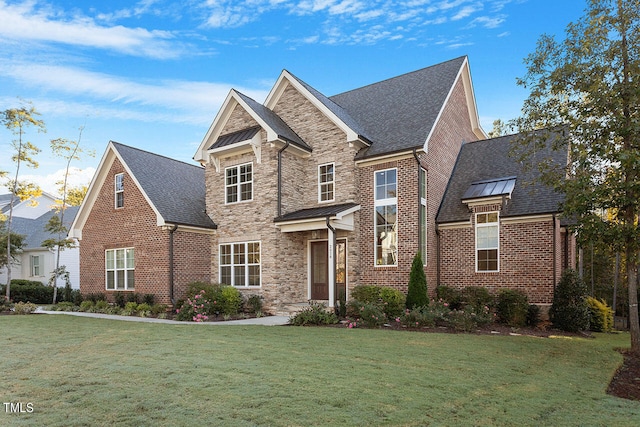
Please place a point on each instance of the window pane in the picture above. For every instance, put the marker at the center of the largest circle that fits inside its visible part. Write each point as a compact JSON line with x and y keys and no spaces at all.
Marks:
{"x":225,"y":255}
{"x":254,"y":275}
{"x":120,"y":258}
{"x":232,"y":194}
{"x":119,"y":200}
{"x":492,"y":217}
{"x":239,"y":275}
{"x":130,"y":281}
{"x":481,"y":219}
{"x":488,"y":260}
{"x":238,"y":254}
{"x":110,"y":260}
{"x":119,"y":182}
{"x":253,"y":250}
{"x":245,"y":191}
{"x":111,"y":280}
{"x":130,"y":258}
{"x":120,"y":279}
{"x":245,"y":173}
{"x":386,"y":237}
{"x":225,"y":275}
{"x":232,"y":176}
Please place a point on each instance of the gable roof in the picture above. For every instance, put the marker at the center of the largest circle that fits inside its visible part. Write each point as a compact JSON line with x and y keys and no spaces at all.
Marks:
{"x":34,"y":229}
{"x":175,"y":190}
{"x":489,"y":160}
{"x":400,"y":113}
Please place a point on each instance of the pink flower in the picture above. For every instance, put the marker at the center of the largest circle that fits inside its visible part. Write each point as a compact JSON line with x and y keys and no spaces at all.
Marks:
{"x":398,"y":319}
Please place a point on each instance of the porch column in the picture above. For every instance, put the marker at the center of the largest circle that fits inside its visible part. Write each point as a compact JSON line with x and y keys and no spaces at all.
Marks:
{"x":331,"y":247}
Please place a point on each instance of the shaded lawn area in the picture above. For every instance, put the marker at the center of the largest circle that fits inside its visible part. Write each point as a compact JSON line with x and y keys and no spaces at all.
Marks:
{"x":80,"y":371}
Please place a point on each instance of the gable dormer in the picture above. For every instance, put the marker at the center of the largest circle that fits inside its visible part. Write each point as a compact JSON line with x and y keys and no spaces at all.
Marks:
{"x":220,"y":142}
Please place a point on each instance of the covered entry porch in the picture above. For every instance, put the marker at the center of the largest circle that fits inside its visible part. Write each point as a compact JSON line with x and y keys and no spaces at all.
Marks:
{"x":327,"y":264}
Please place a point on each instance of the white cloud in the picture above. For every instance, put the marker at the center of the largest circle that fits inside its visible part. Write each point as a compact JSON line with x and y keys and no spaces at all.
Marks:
{"x":25,"y":22}
{"x":47,"y":182}
{"x":487,"y":21}
{"x":178,"y":100}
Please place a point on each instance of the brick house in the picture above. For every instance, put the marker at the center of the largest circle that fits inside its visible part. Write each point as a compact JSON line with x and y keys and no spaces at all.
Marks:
{"x":142,"y":226}
{"x":305,"y":196}
{"x":499,"y":226}
{"x":313,"y":195}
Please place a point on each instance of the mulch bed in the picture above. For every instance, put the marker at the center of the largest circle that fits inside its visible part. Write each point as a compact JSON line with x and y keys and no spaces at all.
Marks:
{"x":626,"y":381}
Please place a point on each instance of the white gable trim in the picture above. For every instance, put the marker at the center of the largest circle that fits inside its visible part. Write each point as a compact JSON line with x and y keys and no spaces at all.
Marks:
{"x":97,"y":182}
{"x":287,"y":79}
{"x":465,"y":74}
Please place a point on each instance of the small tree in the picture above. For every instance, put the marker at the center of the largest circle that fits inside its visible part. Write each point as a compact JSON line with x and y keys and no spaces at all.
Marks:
{"x":570,"y":311}
{"x":417,"y":293}
{"x":17,"y":120}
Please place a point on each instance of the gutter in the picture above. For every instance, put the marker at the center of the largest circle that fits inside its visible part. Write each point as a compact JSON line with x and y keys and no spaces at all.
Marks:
{"x":280,"y":151}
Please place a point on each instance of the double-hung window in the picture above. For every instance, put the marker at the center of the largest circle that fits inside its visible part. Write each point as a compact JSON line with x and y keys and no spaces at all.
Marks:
{"x":120,"y":267}
{"x":36,"y":262}
{"x":240,"y":264}
{"x":386,"y":217}
{"x":326,"y":182}
{"x":487,"y":241}
{"x":239,"y":183}
{"x":119,"y":190}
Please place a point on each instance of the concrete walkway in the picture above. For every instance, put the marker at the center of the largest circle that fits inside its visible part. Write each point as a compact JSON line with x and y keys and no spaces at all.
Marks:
{"x":265,"y":321}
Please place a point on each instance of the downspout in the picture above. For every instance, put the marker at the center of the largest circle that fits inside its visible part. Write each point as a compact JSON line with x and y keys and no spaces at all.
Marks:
{"x":280,"y":151}
{"x":420,"y":237}
{"x":555,"y":267}
{"x":437,"y":256}
{"x":171,"y":281}
{"x":332,"y":264}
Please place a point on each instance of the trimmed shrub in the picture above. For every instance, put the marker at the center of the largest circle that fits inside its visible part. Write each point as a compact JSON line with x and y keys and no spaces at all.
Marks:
{"x":129,"y":309}
{"x":119,"y":299}
{"x":600,"y":315}
{"x":149,"y":299}
{"x":478,"y":298}
{"x":144,"y":310}
{"x":366,"y":293}
{"x":533,"y":315}
{"x":315,"y":314}
{"x":417,"y":293}
{"x":452,"y":296}
{"x":95,"y":297}
{"x":30,"y":291}
{"x":418,"y":317}
{"x":101,"y":306}
{"x":86,"y":305}
{"x":569,"y":310}
{"x":254,"y":304}
{"x":390,"y":301}
{"x":231,"y":300}
{"x":24,"y":308}
{"x":512,"y":307}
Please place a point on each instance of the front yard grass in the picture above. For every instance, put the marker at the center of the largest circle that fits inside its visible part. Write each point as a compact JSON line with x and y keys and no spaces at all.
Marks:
{"x":85,"y":372}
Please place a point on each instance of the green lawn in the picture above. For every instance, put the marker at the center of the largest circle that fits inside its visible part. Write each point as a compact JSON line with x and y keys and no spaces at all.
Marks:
{"x":79,"y":371}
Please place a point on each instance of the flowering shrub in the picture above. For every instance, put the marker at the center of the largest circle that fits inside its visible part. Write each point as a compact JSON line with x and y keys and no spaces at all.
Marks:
{"x":417,"y":318}
{"x":469,"y":319}
{"x":369,"y":316}
{"x":195,"y":309}
{"x":315,"y":314}
{"x":24,"y":308}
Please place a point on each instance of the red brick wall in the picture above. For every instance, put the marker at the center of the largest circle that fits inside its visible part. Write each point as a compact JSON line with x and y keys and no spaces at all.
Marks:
{"x":134,"y":225}
{"x":526,"y":259}
{"x":452,"y":130}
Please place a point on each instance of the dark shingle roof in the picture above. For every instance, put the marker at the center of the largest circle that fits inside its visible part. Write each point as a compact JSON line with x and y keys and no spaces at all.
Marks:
{"x":398,"y":114}
{"x":33,"y":229}
{"x":320,"y":212}
{"x":488,"y":159}
{"x":275,"y":122}
{"x":175,"y":188}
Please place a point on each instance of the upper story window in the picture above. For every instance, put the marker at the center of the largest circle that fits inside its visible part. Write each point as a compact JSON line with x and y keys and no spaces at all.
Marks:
{"x":239,"y":183}
{"x":326,"y":182}
{"x":36,"y":262}
{"x":487,"y":241}
{"x":119,"y":268}
{"x":119,"y":190}
{"x":386,"y":217}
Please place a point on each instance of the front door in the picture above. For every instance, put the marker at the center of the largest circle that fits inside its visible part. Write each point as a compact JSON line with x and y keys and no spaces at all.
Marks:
{"x":319,"y":271}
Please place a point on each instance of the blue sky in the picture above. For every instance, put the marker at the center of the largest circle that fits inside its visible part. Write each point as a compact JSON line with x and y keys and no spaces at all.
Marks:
{"x":153,"y":73}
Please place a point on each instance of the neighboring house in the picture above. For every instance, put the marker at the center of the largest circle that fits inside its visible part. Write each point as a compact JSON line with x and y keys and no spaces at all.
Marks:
{"x":313,"y":195}
{"x":499,"y":226}
{"x":36,"y":262}
{"x":305,"y":196}
{"x":142,"y":226}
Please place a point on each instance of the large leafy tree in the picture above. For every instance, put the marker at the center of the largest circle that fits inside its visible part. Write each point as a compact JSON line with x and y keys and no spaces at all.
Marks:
{"x":17,"y":121}
{"x":588,"y":86}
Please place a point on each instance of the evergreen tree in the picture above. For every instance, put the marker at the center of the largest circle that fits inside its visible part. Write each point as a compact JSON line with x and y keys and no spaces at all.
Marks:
{"x":417,"y":293}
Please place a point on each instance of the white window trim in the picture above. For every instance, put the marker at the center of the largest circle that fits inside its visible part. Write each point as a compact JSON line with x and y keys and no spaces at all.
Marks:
{"x":333,"y":181}
{"x":491,"y":224}
{"x":115,"y":270}
{"x":118,"y":191}
{"x":40,"y":265}
{"x":246,"y":264}
{"x":384,"y":202}
{"x":238,"y":185}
